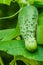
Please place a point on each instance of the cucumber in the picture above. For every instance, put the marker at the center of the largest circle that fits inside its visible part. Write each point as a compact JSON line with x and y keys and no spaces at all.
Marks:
{"x":27,"y":20}
{"x":39,"y":34}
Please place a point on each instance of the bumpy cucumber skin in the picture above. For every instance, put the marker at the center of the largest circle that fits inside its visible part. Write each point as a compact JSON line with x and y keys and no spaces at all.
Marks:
{"x":27,"y":20}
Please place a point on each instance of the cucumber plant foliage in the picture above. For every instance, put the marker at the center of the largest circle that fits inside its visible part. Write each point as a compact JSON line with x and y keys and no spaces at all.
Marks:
{"x":17,"y":47}
{"x":5,"y":2}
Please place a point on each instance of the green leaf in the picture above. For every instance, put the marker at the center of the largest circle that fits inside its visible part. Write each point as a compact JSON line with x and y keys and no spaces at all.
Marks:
{"x":38,"y":3}
{"x":27,"y":61}
{"x":16,"y":48}
{"x":8,"y":34}
{"x":5,"y":2}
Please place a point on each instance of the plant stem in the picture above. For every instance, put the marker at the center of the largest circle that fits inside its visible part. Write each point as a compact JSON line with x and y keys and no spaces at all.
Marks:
{"x":11,"y":15}
{"x":13,"y":61}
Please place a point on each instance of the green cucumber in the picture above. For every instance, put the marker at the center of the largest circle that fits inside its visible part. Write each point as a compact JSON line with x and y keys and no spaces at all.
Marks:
{"x":27,"y":20}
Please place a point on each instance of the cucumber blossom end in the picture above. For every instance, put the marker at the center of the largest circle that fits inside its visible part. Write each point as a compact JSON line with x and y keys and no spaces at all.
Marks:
{"x":31,"y":45}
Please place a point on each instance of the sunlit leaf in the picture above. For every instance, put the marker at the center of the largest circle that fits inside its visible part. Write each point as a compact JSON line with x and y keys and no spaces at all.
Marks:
{"x":16,"y":48}
{"x":5,"y":2}
{"x":8,"y":34}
